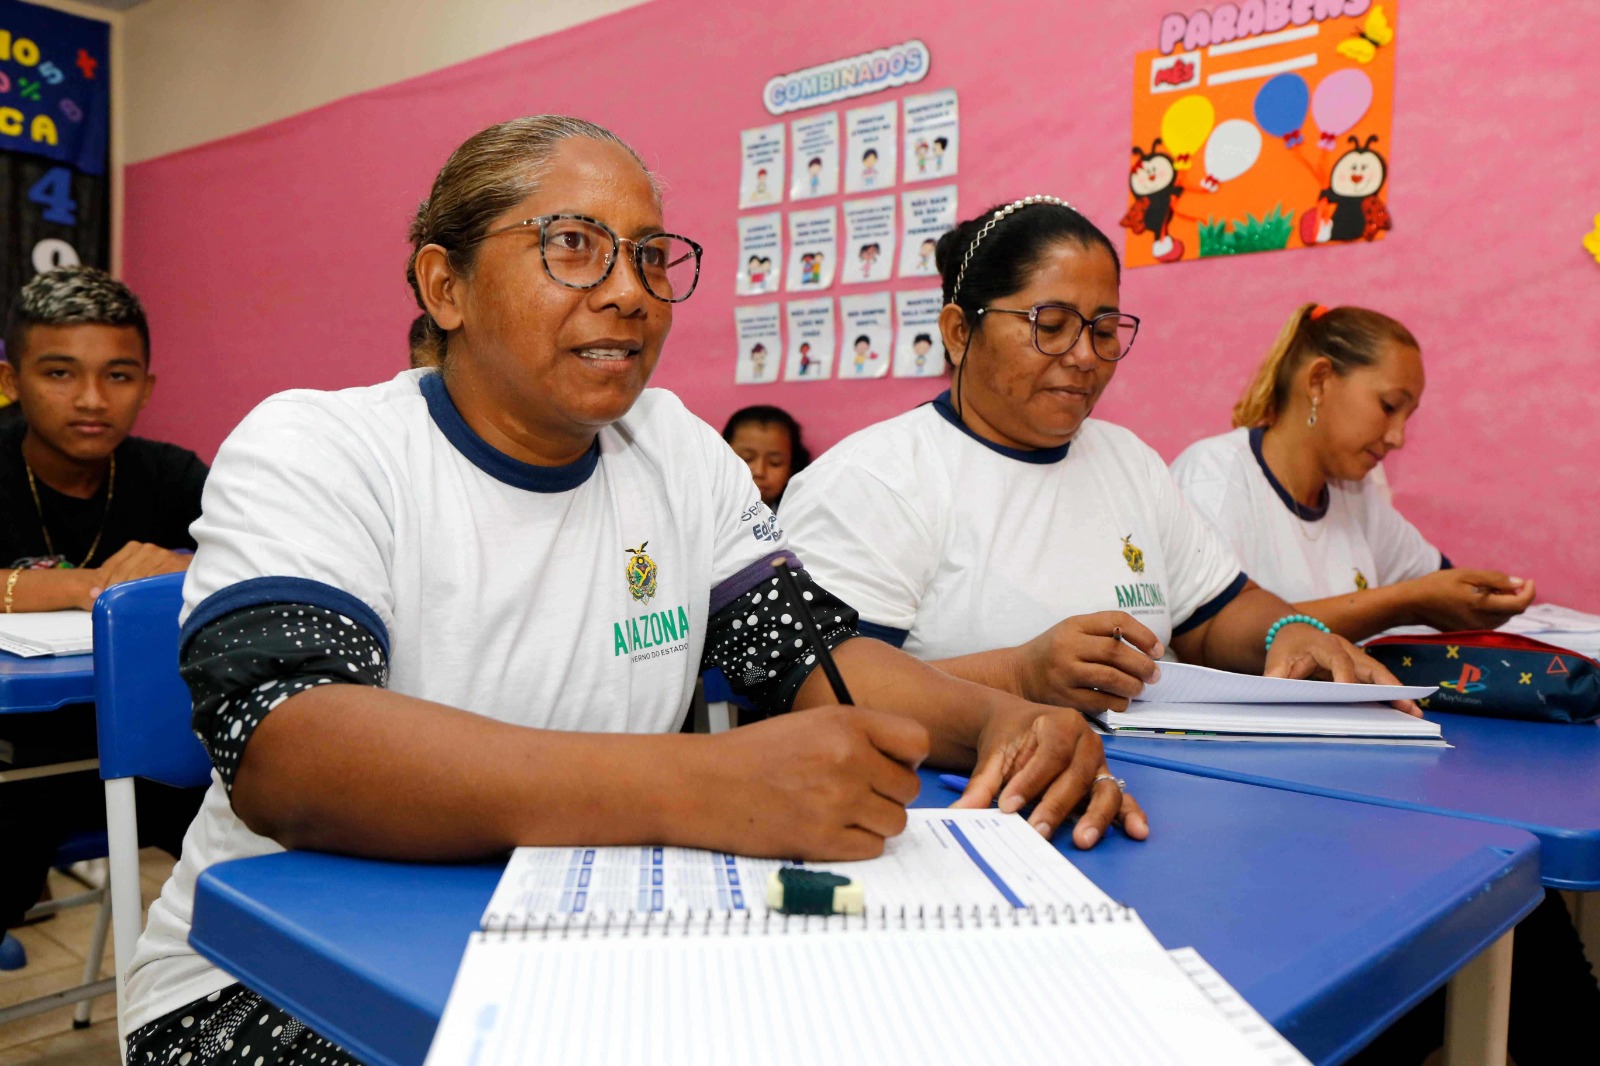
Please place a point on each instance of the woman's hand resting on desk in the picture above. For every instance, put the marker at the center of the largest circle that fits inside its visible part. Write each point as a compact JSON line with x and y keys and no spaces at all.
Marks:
{"x":1051,"y":758}
{"x":1300,"y":650}
{"x":827,"y":783}
{"x":1466,"y":599}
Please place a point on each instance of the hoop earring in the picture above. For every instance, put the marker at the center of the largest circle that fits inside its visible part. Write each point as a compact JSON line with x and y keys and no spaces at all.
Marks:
{"x":1313,"y":419}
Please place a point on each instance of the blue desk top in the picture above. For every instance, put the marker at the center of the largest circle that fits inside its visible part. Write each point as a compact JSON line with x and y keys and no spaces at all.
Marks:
{"x":1331,"y":918}
{"x":1541,"y":778}
{"x":44,"y":683}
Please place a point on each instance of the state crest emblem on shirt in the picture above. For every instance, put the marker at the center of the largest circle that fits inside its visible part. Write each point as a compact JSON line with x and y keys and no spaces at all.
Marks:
{"x":641,"y":574}
{"x":1361,"y":580}
{"x":1132,"y":554}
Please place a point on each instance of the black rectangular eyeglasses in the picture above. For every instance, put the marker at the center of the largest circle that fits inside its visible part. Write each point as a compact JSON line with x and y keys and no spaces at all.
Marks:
{"x":1057,"y":327}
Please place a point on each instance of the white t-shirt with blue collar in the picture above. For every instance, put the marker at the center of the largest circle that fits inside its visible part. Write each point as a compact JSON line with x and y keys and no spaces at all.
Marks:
{"x":949,"y":544}
{"x":1353,"y":539}
{"x":570,"y":598}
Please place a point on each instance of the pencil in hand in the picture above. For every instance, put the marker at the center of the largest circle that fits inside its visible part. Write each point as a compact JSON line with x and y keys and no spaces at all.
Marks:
{"x":791,"y":589}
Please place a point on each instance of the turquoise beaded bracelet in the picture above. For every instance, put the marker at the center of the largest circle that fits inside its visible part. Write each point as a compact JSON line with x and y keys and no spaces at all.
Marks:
{"x":1291,"y":619}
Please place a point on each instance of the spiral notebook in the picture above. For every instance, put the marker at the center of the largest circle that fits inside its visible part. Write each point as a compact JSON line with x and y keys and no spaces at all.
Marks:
{"x":981,"y":943}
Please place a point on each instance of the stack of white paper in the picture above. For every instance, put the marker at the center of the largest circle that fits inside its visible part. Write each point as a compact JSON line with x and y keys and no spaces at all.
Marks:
{"x":1553,"y":624}
{"x":1274,"y":721}
{"x":1198,"y":703}
{"x":47,"y":633}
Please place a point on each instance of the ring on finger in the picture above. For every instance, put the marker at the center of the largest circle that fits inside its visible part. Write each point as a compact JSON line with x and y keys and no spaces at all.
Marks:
{"x":1119,"y":782}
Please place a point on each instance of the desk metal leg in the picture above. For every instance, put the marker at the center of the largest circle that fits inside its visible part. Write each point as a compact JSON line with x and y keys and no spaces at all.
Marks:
{"x":1477,"y":1010}
{"x":127,"y":905}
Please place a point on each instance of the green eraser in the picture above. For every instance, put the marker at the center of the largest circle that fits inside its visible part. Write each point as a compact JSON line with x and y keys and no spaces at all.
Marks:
{"x":793,"y":890}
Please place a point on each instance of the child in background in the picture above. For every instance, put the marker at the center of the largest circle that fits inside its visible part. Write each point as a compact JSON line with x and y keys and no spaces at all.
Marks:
{"x":83,"y":506}
{"x":768,"y":439}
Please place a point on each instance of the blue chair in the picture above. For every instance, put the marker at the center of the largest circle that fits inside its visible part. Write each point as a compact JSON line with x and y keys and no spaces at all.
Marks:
{"x":720,"y":703}
{"x":80,"y":847}
{"x":142,"y":710}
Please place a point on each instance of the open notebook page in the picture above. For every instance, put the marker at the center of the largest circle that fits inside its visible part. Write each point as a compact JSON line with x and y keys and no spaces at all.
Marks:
{"x":945,"y":857}
{"x":1186,"y":683}
{"x":1101,"y":992}
{"x":47,"y":633}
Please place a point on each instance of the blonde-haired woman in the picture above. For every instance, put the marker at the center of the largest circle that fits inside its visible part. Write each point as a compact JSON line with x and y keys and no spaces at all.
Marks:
{"x":1297,"y":489}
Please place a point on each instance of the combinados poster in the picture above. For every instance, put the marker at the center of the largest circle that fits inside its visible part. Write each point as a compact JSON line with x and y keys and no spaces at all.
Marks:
{"x":1259,"y":126}
{"x":54,"y":123}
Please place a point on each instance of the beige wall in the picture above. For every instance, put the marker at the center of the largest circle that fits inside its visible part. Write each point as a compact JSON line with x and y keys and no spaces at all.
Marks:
{"x":197,"y":70}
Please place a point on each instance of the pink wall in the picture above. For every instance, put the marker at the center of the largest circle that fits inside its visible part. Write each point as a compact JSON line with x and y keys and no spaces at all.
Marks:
{"x":275,"y":259}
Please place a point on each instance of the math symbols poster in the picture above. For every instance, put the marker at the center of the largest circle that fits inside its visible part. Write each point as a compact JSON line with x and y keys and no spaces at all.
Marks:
{"x":55,"y":117}
{"x":1259,"y":126}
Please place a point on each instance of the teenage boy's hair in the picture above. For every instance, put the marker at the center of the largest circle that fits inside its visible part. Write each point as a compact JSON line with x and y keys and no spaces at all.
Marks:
{"x":73,"y":296}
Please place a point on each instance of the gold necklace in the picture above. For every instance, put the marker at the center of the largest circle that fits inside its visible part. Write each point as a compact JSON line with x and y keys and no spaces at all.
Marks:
{"x":49,"y":544}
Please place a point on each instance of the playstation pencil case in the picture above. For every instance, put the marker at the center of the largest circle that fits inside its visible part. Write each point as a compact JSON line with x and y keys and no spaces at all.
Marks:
{"x":1495,"y":675}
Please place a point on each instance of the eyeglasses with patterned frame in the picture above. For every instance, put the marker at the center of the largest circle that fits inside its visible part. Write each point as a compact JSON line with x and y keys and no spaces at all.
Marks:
{"x":575,"y":253}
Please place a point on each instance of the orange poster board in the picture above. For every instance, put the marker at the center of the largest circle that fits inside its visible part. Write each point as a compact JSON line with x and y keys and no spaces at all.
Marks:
{"x":1259,"y":126}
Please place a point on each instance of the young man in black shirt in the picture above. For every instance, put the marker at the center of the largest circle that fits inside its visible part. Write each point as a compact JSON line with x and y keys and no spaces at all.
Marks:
{"x":83,"y":506}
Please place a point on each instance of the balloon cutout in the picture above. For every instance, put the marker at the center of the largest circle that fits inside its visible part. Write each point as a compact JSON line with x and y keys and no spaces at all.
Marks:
{"x":1233,"y":149}
{"x":1281,"y":107}
{"x":1340,"y":102}
{"x":1184,"y":128}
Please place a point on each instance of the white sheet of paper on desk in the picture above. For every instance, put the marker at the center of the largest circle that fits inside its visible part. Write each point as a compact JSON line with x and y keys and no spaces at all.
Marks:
{"x":1549,"y":622}
{"x":47,"y":633}
{"x":951,"y":857}
{"x":1272,"y":719}
{"x":1186,"y":683}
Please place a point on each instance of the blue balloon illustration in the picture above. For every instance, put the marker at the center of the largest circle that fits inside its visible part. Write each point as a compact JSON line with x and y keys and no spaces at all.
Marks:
{"x":1281,"y":107}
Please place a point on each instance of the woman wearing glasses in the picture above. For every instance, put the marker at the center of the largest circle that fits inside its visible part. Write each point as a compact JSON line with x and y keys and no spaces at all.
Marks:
{"x":1002,"y":533}
{"x":465,"y":609}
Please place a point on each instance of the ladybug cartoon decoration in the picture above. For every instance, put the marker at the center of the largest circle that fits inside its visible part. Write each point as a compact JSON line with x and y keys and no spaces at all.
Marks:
{"x":1153,"y":180}
{"x":1348,"y":208}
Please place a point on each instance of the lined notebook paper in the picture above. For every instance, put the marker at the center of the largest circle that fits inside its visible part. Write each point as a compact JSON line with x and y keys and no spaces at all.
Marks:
{"x":981,"y":943}
{"x":47,"y":633}
{"x":1241,"y":1015}
{"x":952,"y":857}
{"x":1186,"y":683}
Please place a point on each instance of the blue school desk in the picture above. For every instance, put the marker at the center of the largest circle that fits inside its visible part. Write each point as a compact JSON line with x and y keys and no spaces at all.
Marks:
{"x":45,"y":683}
{"x":1331,"y":918}
{"x":1541,"y":778}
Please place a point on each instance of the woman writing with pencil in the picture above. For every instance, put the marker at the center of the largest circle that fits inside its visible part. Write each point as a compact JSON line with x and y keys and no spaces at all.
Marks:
{"x":465,"y":609}
{"x":1006,"y":536}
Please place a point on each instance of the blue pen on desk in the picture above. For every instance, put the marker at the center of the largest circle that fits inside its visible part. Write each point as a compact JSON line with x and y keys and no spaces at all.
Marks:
{"x":955,"y":782}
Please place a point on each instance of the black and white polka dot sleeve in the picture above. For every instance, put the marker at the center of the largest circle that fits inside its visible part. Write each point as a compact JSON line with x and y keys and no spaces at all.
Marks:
{"x":242,"y":665}
{"x":755,"y":636}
